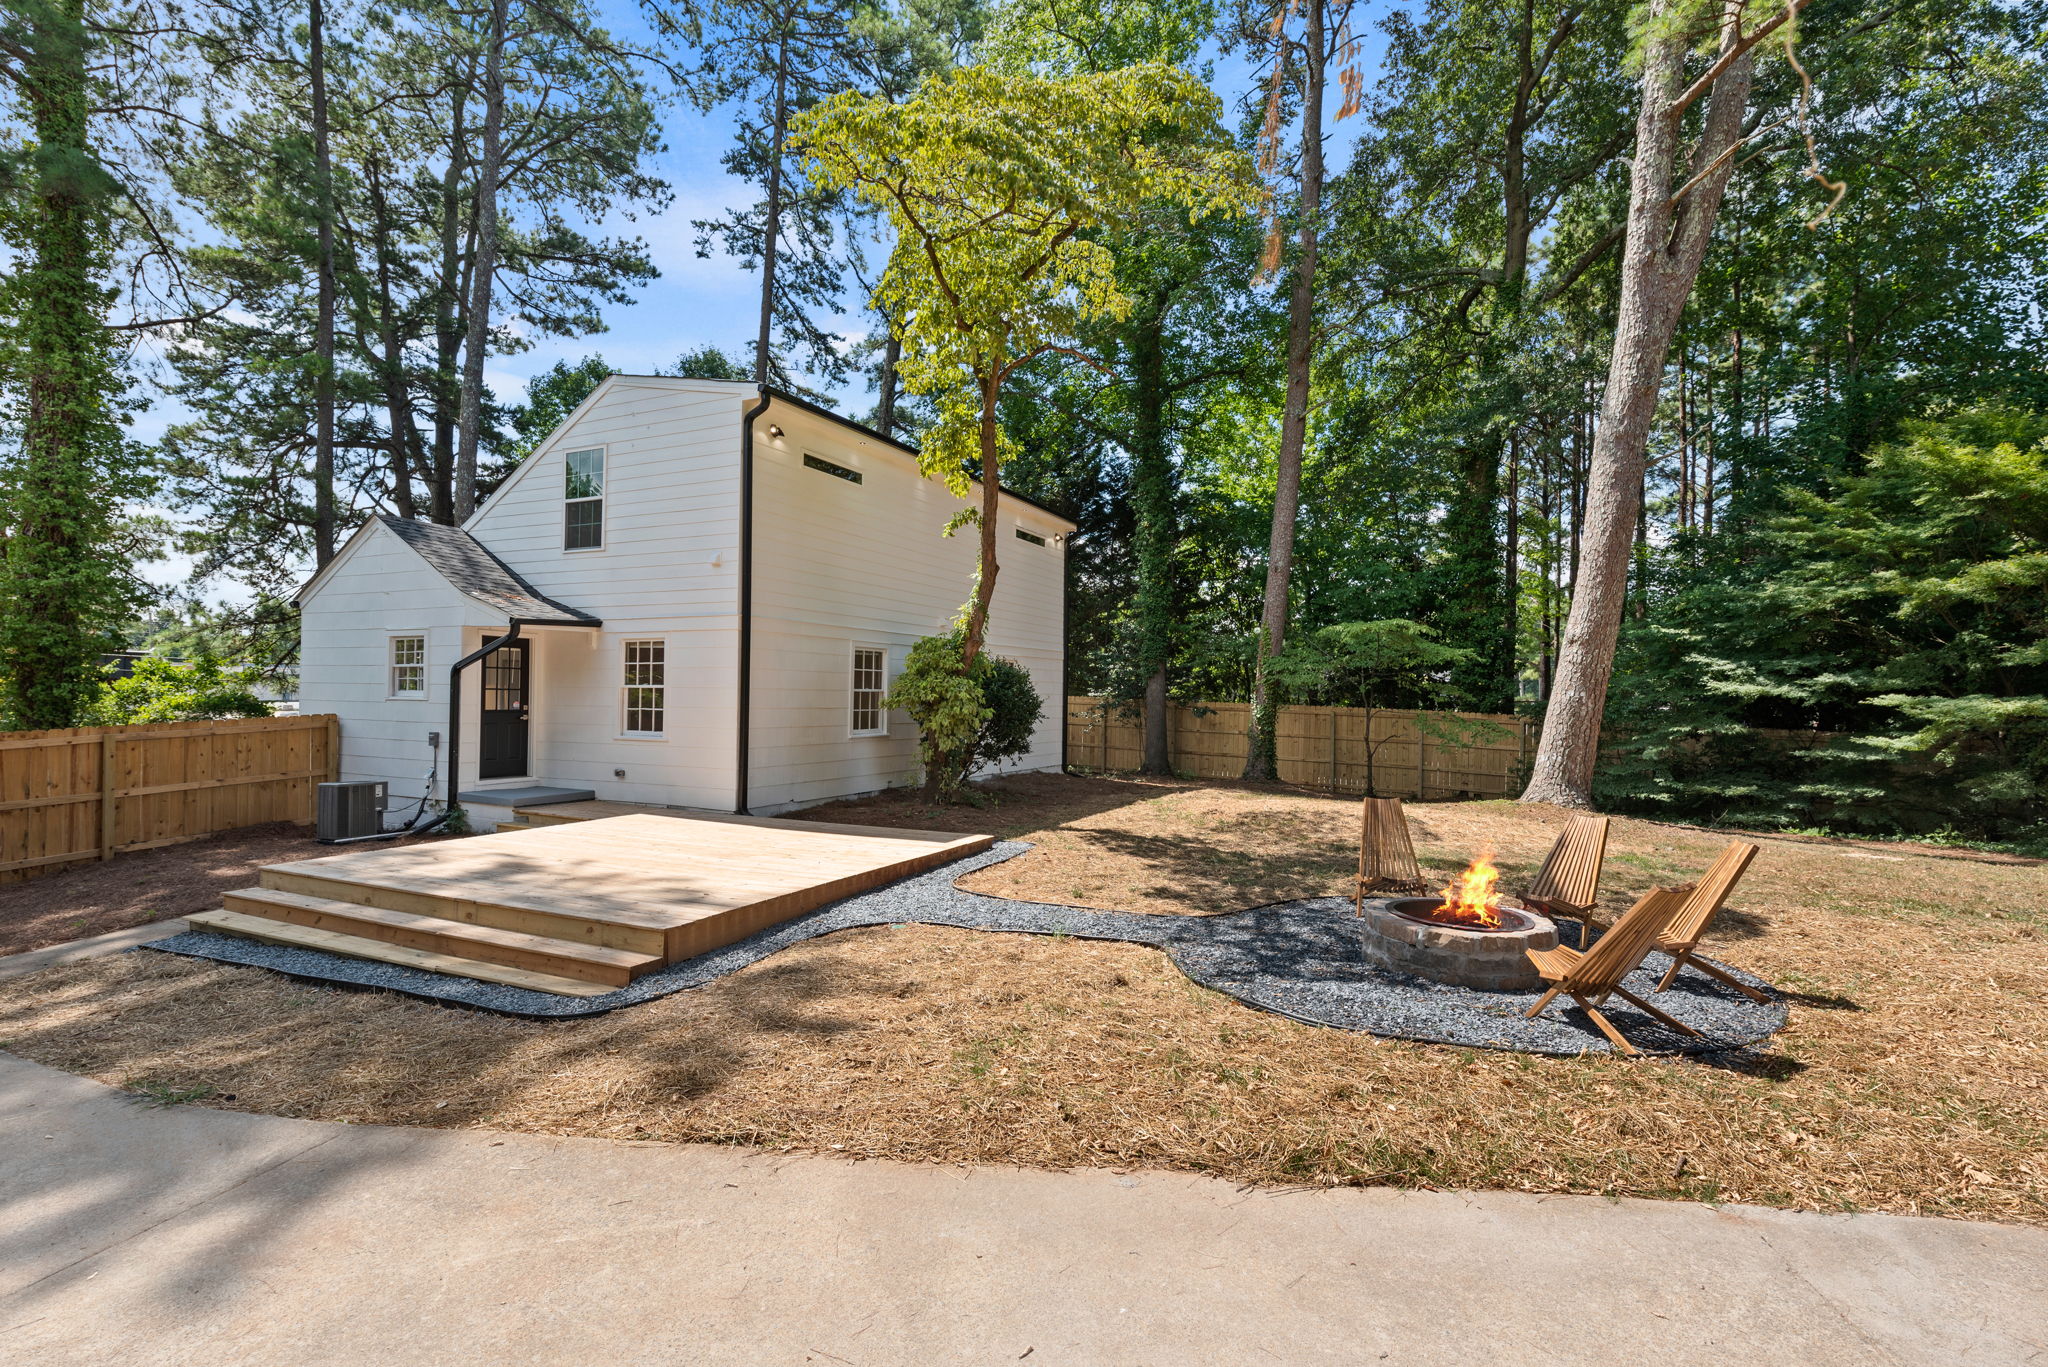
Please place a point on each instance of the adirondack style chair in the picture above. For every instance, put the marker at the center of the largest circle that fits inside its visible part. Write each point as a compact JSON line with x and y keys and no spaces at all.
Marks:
{"x":1592,"y":976}
{"x":1568,"y":884}
{"x":1683,"y":935}
{"x":1386,"y":857}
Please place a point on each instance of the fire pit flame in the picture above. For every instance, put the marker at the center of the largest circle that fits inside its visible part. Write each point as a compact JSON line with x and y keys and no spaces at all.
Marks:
{"x":1470,"y":898}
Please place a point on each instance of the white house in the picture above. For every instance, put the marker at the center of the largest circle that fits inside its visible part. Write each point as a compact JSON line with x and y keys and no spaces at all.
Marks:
{"x":694,"y":594}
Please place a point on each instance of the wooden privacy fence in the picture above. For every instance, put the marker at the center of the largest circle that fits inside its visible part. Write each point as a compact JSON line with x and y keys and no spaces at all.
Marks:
{"x":1318,"y":747}
{"x":95,"y":791}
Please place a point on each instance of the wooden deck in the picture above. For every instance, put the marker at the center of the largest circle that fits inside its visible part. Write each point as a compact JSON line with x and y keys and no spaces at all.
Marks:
{"x":580,"y":902}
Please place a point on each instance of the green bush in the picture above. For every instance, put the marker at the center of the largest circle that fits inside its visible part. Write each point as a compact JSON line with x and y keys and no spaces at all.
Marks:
{"x":202,"y":689}
{"x":1013,"y":707}
{"x":966,"y":718}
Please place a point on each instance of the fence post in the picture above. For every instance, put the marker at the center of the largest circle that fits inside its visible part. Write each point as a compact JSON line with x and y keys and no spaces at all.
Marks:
{"x":1333,"y":752}
{"x":1105,"y":734}
{"x":107,"y":799}
{"x":1421,"y":759}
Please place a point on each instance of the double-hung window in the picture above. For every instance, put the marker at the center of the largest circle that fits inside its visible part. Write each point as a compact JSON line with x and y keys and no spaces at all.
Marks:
{"x":870,"y":668}
{"x":583,"y":501}
{"x":645,"y":695}
{"x":408,"y":667}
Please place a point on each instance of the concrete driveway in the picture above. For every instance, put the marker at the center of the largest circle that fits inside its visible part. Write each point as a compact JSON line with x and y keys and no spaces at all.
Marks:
{"x":131,"y":1235}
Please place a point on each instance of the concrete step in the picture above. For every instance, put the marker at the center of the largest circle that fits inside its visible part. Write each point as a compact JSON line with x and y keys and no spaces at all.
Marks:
{"x":439,"y":935}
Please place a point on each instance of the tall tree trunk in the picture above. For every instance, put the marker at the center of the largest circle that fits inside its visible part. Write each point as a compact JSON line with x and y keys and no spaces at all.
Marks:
{"x":483,"y":274}
{"x":892,"y":357}
{"x":1261,"y":761}
{"x":450,"y":293}
{"x":771,"y":223}
{"x":55,"y":506}
{"x":1152,"y":502}
{"x":325,"y":519}
{"x":391,"y":364}
{"x":1666,"y":242}
{"x":976,"y":630}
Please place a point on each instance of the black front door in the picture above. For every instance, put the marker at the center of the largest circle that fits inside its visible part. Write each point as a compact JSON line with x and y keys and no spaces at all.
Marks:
{"x":501,"y":745}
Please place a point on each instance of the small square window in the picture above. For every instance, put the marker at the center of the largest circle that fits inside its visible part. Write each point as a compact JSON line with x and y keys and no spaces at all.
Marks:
{"x":644,"y":695}
{"x":870,"y":682}
{"x":408,"y":667}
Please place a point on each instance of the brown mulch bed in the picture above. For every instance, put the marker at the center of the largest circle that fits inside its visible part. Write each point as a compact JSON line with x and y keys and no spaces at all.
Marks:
{"x":1913,"y":1077}
{"x":148,"y":885}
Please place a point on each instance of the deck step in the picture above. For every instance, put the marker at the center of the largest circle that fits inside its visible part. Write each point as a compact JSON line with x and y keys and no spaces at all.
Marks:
{"x":436,"y":935}
{"x":383,"y":951}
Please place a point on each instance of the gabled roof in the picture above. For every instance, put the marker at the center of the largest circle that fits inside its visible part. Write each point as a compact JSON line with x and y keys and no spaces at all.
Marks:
{"x":462,"y":560}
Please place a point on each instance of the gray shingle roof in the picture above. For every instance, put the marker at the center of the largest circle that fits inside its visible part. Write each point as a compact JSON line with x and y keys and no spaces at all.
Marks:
{"x":462,"y":560}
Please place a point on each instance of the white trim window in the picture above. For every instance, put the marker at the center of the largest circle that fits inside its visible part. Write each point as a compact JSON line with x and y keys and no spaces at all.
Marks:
{"x":870,"y":684}
{"x":643,"y":695}
{"x":583,"y":500}
{"x":407,"y":676}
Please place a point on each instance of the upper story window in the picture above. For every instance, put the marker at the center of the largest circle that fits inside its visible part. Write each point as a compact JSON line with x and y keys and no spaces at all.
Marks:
{"x":645,"y":696}
{"x":1033,"y":537}
{"x":870,"y":670}
{"x":408,"y":667}
{"x":583,"y":506}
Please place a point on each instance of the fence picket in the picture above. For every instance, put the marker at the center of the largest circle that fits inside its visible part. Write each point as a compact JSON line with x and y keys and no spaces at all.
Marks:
{"x":95,"y":791}
{"x":1337,"y":749}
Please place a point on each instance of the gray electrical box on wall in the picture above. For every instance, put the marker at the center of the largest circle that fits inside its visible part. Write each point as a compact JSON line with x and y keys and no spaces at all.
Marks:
{"x":349,"y":809}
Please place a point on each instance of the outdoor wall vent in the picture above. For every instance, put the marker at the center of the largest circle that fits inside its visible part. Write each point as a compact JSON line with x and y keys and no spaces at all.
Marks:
{"x":815,"y":463}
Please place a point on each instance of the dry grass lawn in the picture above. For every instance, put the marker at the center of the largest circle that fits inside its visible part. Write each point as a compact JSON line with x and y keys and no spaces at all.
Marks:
{"x":1913,"y":1078}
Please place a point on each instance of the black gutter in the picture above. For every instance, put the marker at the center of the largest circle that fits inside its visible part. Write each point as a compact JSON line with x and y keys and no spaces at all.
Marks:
{"x":746,"y":598}
{"x":1066,"y":667}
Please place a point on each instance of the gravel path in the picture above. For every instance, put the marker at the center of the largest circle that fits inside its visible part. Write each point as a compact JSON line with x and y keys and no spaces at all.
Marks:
{"x":1298,"y":959}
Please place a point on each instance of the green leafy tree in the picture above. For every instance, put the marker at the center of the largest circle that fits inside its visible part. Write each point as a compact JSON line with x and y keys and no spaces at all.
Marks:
{"x":200,"y":689}
{"x":1883,"y":666}
{"x":993,"y":184}
{"x":1377,"y":665}
{"x":65,"y":579}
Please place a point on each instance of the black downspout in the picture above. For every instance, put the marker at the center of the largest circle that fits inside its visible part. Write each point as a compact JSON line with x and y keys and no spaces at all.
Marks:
{"x":455,"y":705}
{"x":746,"y":597}
{"x":1066,"y":668}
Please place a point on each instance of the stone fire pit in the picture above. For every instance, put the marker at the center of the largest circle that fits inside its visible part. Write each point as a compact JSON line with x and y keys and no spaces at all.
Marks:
{"x":1398,"y":935}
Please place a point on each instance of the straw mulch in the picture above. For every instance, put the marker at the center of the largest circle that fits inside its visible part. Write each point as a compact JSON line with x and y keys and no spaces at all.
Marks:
{"x":1913,"y":1077}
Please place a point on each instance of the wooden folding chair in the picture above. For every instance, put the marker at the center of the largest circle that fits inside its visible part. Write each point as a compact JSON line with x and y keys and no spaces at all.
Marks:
{"x":1386,"y":858}
{"x":1568,"y":884}
{"x":1592,"y":976}
{"x":1683,"y":935}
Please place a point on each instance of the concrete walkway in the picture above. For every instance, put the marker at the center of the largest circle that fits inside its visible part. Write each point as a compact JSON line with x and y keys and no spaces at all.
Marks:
{"x":140,"y":1236}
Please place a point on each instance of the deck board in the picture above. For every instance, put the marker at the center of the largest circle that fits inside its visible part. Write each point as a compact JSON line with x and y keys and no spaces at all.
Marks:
{"x":616,"y":874}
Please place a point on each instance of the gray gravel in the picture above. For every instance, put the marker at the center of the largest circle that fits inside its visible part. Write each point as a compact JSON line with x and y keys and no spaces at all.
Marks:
{"x":1298,"y":959}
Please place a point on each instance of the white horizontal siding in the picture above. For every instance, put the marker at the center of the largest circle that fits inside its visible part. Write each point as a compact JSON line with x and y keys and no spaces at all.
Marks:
{"x":838,"y":564}
{"x":668,"y":570}
{"x":380,"y":587}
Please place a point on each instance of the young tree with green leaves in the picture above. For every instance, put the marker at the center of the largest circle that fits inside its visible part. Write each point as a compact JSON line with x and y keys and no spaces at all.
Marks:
{"x":994,"y":185}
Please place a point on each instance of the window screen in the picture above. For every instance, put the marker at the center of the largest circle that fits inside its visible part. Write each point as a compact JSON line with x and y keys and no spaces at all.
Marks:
{"x":646,"y":688}
{"x":408,"y":666}
{"x":869,"y":669}
{"x":583,"y":509}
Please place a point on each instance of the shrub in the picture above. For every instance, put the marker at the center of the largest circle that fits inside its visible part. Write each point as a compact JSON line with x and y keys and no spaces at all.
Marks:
{"x":966,"y":718}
